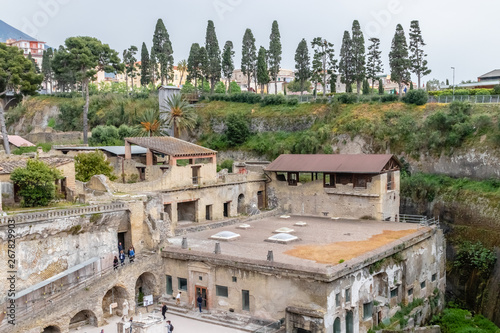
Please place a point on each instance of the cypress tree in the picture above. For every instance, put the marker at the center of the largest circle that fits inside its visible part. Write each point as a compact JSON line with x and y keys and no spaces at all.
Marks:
{"x":203,"y":61}
{"x":227,"y":62}
{"x":162,"y":52}
{"x":274,"y":54}
{"x":417,"y":55}
{"x":193,"y":64}
{"x":411,"y":86}
{"x":398,"y":59}
{"x":374,"y":65}
{"x":302,"y":65}
{"x":380,"y":87}
{"x":214,"y":66}
{"x":248,"y":55}
{"x":345,"y":65}
{"x":262,"y":72}
{"x":358,"y":55}
{"x":366,"y":87}
{"x":145,"y":66}
{"x":47,"y":71}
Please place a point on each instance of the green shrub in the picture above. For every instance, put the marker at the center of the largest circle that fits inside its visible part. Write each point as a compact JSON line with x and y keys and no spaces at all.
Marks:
{"x":234,"y":88}
{"x":273,"y":100}
{"x":36,"y":183}
{"x":237,"y":129}
{"x":347,"y":98}
{"x":105,"y":136}
{"x":91,"y":164}
{"x":454,"y":320}
{"x":220,"y":88}
{"x":46,"y":147}
{"x":226,"y":164}
{"x":474,"y":256}
{"x":417,"y":97}
{"x":292,"y":101}
{"x":389,"y":98}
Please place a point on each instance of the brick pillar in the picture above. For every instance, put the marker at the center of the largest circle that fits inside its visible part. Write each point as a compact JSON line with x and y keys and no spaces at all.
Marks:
{"x":128,"y":150}
{"x":149,"y":157}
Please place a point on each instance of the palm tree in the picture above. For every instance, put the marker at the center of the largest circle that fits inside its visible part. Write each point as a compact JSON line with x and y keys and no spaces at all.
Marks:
{"x":179,"y":114}
{"x":182,"y":67}
{"x":151,"y":124}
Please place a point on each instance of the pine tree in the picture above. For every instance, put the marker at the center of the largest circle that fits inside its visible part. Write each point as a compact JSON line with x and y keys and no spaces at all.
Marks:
{"x":358,"y":55}
{"x":374,"y":65}
{"x":262,"y":71}
{"x":145,"y":66}
{"x":380,"y":87}
{"x":324,"y":63}
{"x":193,"y":64}
{"x":227,"y":62}
{"x":274,"y":54}
{"x":248,"y":55}
{"x":47,"y":71}
{"x":398,"y":59}
{"x":302,"y":65}
{"x":417,"y":55}
{"x":345,"y":65}
{"x":214,"y":67}
{"x":162,"y":52}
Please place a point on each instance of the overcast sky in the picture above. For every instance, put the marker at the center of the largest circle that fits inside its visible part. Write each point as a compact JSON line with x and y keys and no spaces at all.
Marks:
{"x":459,"y":33}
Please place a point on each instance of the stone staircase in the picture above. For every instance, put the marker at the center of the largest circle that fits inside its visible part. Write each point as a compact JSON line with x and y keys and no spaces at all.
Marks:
{"x":226,"y":319}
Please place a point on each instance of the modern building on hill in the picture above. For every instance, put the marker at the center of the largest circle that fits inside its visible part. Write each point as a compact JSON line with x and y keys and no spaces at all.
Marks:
{"x":33,"y":47}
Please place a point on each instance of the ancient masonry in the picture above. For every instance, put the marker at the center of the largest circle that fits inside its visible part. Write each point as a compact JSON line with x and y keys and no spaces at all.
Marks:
{"x":315,"y":245}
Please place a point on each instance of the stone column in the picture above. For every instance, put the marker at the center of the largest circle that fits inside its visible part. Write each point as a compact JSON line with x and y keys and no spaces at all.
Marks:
{"x":128,"y":150}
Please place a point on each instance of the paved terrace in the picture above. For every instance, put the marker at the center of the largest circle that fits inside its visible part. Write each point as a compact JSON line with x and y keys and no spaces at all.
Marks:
{"x":321,"y":245}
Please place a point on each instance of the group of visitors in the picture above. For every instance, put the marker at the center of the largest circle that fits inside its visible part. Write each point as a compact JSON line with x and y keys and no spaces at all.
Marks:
{"x":121,"y":256}
{"x":169,"y":326}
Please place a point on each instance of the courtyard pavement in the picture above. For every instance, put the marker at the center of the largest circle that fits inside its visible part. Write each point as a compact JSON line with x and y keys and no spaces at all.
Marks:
{"x":181,"y":325}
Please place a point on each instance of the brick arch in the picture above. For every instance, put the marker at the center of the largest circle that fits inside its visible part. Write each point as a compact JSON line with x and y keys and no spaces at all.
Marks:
{"x":116,"y":294}
{"x":148,"y":283}
{"x":52,"y":329}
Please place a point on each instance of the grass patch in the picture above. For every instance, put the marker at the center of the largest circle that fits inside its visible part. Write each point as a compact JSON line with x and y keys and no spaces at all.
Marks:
{"x":454,"y":320}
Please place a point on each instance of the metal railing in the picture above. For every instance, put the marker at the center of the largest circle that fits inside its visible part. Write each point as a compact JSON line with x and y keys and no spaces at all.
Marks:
{"x":61,"y":213}
{"x":475,"y":99}
{"x":420,"y":219}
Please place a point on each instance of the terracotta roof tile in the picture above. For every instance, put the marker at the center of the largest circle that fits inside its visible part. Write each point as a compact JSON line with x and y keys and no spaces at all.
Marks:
{"x":171,"y":146}
{"x":334,"y":163}
{"x":6,"y":167}
{"x":18,"y":141}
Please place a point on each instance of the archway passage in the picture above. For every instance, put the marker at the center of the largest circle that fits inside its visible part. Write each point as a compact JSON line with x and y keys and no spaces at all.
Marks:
{"x":241,"y":204}
{"x":51,"y":329}
{"x":116,"y":295}
{"x":336,"y":325}
{"x":145,"y":285}
{"x":82,"y":318}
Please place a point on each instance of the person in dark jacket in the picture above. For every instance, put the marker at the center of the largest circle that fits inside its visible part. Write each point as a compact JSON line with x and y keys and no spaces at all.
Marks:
{"x":120,"y":247}
{"x":164,"y":310}
{"x":200,"y":301}
{"x":115,"y":263}
{"x":131,"y":254}
{"x":122,"y":258}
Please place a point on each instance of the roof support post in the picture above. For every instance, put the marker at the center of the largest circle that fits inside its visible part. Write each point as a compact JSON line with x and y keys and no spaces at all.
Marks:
{"x":149,"y":157}
{"x":128,"y":150}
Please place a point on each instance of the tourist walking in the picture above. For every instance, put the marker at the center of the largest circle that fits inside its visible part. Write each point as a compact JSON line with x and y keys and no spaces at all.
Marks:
{"x":178,"y":298}
{"x":131,"y":319}
{"x":169,"y":326}
{"x":164,"y":310}
{"x":122,"y":258}
{"x":115,"y":263}
{"x":200,"y":301}
{"x":120,"y":247}
{"x":131,"y":254}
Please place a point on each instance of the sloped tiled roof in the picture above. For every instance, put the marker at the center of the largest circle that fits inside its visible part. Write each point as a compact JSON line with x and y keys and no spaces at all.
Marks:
{"x":334,"y":163}
{"x":6,"y":167}
{"x":493,"y":73}
{"x":18,"y":141}
{"x":171,"y":146}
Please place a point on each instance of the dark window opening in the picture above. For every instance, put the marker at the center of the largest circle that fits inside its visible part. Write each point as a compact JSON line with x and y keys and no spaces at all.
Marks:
{"x":434,"y":277}
{"x":208,"y":212}
{"x":390,"y":181}
{"x":293,"y":178}
{"x":196,"y":175}
{"x":367,"y":310}
{"x":394,"y":292}
{"x":245,"y":296}
{"x":226,"y":209}
{"x":260,"y":199}
{"x":183,"y":284}
{"x":329,"y":180}
{"x":235,"y":279}
{"x":362,"y":181}
{"x":422,"y":285}
{"x":221,"y":291}
{"x":343,"y":178}
{"x":410,"y":291}
{"x":348,"y":295}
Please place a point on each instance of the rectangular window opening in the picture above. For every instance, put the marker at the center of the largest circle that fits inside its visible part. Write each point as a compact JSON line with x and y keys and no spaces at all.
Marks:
{"x":337,"y":300}
{"x":221,"y":291}
{"x":183,"y":284}
{"x":394,"y":292}
{"x":434,"y":277}
{"x":410,"y":291}
{"x":348,"y":295}
{"x":170,"y":289}
{"x":245,"y":300}
{"x":367,"y":310}
{"x":422,"y":285}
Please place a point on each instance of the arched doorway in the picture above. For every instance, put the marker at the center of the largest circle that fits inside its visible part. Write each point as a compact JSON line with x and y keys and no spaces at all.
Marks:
{"x":349,"y":324}
{"x":82,"y":318}
{"x":116,"y":295}
{"x":241,"y":204}
{"x":336,"y":325}
{"x":51,"y":329}
{"x":146,"y":285}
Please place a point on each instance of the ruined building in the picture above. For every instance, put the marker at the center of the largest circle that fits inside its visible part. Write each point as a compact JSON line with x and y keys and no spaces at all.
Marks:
{"x":309,"y":241}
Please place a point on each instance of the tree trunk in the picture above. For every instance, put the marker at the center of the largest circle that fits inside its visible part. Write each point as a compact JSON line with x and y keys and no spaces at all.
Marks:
{"x":358,"y":87}
{"x":212,"y":86}
{"x":228,"y":83}
{"x":276,"y":86}
{"x":255,"y":80}
{"x":126,"y":83}
{"x":5,"y":135}
{"x":85,"y":84}
{"x":176,"y":130}
{"x":418,"y":76}
{"x":262,"y":90}
{"x":324,"y":84}
{"x":249,"y":81}
{"x":301,"y":88}
{"x":182,"y":76}
{"x":400,"y":86}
